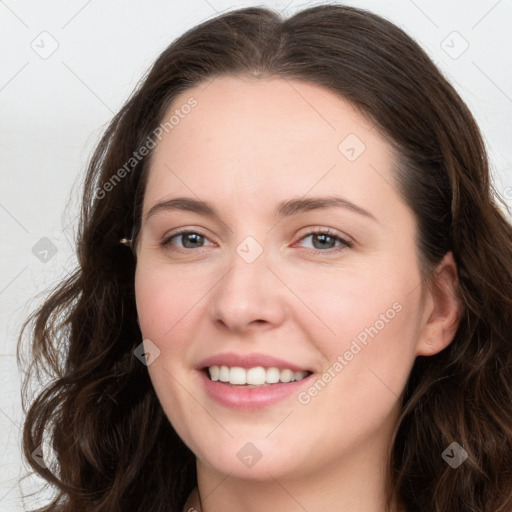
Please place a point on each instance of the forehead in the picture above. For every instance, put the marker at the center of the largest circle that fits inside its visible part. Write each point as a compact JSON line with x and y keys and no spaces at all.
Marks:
{"x":256,"y":140}
{"x":280,"y":113}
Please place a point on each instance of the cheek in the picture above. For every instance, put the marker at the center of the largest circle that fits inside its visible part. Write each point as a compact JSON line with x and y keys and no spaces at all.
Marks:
{"x":367,"y":324}
{"x":368,"y":365}
{"x":346,"y":302}
{"x":378,"y":360}
{"x":165,"y":310}
{"x":152,"y":308}
{"x":165,"y":301}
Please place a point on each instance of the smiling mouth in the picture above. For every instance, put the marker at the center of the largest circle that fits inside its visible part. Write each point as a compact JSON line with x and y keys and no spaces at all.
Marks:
{"x":256,"y":377}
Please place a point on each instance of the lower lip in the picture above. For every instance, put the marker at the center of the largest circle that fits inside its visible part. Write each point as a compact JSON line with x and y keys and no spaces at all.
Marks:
{"x":251,"y":399}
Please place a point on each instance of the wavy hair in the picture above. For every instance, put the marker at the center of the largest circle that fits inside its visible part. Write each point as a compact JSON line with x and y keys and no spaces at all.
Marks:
{"x":107,"y":443}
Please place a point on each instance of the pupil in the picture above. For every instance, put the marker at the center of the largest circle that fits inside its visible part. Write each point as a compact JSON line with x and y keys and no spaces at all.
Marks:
{"x":194,"y":238}
{"x":322,"y":237}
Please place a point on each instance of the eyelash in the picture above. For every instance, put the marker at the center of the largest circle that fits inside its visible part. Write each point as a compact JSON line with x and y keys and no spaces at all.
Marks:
{"x":345,"y":244}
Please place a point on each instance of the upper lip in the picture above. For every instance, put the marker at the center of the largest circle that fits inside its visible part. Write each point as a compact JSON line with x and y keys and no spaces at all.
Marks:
{"x":248,"y":361}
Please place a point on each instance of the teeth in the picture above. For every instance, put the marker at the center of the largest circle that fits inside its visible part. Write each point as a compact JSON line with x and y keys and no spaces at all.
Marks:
{"x":257,"y":376}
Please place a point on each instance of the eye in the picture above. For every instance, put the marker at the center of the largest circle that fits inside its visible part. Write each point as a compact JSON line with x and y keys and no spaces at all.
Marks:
{"x":189,"y":240}
{"x":325,"y":240}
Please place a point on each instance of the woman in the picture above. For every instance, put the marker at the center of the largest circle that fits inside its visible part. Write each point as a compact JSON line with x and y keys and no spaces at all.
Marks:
{"x":293,"y":286}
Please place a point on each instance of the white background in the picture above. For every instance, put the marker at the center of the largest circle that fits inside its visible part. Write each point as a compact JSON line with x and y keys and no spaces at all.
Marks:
{"x":54,"y":109}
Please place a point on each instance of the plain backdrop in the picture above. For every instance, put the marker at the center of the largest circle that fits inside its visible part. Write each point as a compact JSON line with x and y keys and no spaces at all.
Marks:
{"x":67,"y":67}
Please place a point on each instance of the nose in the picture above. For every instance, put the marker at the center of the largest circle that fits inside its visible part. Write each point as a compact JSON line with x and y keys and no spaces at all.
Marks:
{"x":249,"y":297}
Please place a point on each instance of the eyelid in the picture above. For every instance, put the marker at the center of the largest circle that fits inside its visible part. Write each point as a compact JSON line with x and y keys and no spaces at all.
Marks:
{"x":310,"y":230}
{"x":183,"y":231}
{"x":345,"y":241}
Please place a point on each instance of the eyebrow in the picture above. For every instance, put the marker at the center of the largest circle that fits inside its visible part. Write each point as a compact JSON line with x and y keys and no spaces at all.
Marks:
{"x":284,"y":209}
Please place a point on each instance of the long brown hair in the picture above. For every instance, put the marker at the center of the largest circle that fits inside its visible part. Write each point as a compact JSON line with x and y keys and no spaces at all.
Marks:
{"x":113,"y":448}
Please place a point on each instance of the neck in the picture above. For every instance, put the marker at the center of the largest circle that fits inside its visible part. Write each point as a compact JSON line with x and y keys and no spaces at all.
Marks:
{"x":354,"y":484}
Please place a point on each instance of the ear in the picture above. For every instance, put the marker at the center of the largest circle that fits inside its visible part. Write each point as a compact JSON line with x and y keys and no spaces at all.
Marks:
{"x":442,"y":308}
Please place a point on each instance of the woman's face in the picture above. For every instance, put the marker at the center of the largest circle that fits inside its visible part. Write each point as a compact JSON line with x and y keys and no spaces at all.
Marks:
{"x":277,"y":161}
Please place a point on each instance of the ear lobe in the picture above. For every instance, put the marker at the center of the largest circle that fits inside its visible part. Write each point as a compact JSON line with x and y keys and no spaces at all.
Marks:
{"x":446,"y":312}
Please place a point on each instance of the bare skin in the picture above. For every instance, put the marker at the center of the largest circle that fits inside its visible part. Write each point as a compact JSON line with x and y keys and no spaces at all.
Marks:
{"x":247,"y":146}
